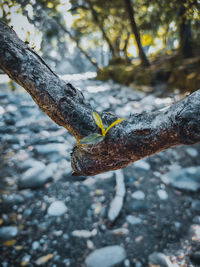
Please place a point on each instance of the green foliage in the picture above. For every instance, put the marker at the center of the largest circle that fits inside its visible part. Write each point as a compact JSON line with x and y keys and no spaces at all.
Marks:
{"x":96,"y":138}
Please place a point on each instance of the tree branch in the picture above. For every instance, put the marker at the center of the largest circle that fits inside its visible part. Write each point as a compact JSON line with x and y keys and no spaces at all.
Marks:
{"x":139,"y":136}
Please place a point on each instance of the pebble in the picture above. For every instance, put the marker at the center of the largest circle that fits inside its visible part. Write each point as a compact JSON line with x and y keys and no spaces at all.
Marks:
{"x":139,"y":195}
{"x":142,"y":165}
{"x":117,"y":202}
{"x":8,"y":232}
{"x":196,"y":205}
{"x":195,"y":257}
{"x":133,"y":220}
{"x":57,"y":208}
{"x":194,"y":232}
{"x":50,"y":148}
{"x":162,"y":194}
{"x":84,"y":233}
{"x":160,"y":259}
{"x":183,"y":179}
{"x":30,"y":163}
{"x":106,"y":256}
{"x":13,"y":199}
{"x":192,"y":152}
{"x":139,"y":206}
{"x":36,"y":245}
{"x":115,"y":208}
{"x":37,"y":177}
{"x":196,"y":220}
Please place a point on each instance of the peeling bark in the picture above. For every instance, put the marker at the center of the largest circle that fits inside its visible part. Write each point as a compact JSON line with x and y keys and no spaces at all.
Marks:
{"x":139,"y":136}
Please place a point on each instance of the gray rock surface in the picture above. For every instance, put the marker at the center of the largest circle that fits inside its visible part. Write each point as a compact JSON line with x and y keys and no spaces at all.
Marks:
{"x":37,"y":176}
{"x":57,"y":208}
{"x":159,"y":259}
{"x":183,"y":179}
{"x":106,"y":257}
{"x":8,"y":232}
{"x":133,"y":220}
{"x":162,"y":194}
{"x":139,"y":195}
{"x":142,"y":164}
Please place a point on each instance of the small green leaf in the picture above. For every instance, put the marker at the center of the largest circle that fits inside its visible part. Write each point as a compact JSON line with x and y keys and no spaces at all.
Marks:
{"x":98,"y":122}
{"x":113,"y":124}
{"x":92,"y":139}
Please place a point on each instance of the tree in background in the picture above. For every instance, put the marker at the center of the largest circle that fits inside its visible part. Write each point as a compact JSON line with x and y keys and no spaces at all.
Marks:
{"x":113,"y":26}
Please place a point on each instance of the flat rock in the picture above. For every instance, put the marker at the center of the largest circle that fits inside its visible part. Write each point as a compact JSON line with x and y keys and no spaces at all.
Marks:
{"x":30,"y":163}
{"x":139,"y":206}
{"x":57,"y":208}
{"x":36,"y":177}
{"x":194,"y":233}
{"x":195,"y":257}
{"x":196,"y":205}
{"x":142,"y":164}
{"x":8,"y":232}
{"x":184,"y":179}
{"x":139,"y":195}
{"x":159,"y":259}
{"x":133,"y":220}
{"x":115,"y":208}
{"x":106,"y":257}
{"x":162,"y":194}
{"x":192,"y":152}
{"x":84,"y":233}
{"x":50,"y":148}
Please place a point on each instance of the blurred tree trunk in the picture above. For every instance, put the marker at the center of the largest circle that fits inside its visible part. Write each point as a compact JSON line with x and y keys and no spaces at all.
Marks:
{"x":138,"y":136}
{"x":185,"y":33}
{"x":101,"y":27}
{"x":136,"y":33}
{"x":124,"y":49}
{"x":92,"y":60}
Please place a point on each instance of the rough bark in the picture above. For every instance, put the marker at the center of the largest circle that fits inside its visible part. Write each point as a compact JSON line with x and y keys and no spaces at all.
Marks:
{"x":138,"y":136}
{"x":136,"y":33}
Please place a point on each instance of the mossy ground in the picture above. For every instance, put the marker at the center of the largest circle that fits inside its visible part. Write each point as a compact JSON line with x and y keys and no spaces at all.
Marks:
{"x":177,"y":73}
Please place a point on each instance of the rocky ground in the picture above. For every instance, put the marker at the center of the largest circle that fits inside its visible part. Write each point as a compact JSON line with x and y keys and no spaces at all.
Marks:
{"x":147,"y":214}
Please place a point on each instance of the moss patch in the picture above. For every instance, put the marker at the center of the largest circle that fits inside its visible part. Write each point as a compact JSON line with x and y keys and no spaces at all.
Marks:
{"x":177,"y":73}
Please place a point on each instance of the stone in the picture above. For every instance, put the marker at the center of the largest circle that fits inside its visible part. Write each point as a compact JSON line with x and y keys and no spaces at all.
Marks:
{"x":195,"y":257}
{"x":30,"y":163}
{"x":184,"y":179}
{"x":106,"y":256}
{"x":8,"y":232}
{"x":194,"y":232}
{"x":139,"y":206}
{"x":196,"y":205}
{"x":57,"y":208}
{"x":84,"y":233}
{"x":36,"y":245}
{"x":36,"y":177}
{"x":117,"y":202}
{"x":13,"y":199}
{"x":50,"y":148}
{"x":159,"y":259}
{"x":115,"y":208}
{"x":142,"y":165}
{"x":162,"y":194}
{"x":192,"y":152}
{"x":133,"y":220}
{"x":196,"y":220}
{"x":139,"y":195}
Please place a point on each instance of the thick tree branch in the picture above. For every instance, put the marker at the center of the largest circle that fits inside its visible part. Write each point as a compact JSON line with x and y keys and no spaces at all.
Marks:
{"x":137,"y":137}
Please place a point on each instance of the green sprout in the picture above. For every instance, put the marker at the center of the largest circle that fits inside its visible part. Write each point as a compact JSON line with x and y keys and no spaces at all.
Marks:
{"x":95,"y":138}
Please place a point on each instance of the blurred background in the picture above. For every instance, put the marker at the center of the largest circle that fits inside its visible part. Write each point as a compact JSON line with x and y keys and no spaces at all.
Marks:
{"x":116,"y":38}
{"x":126,"y":56}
